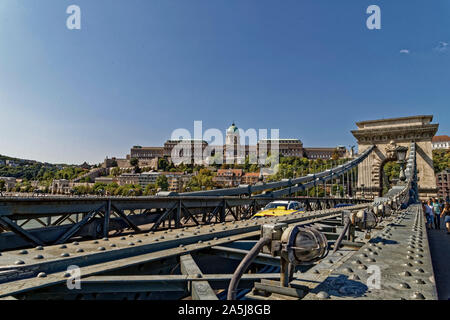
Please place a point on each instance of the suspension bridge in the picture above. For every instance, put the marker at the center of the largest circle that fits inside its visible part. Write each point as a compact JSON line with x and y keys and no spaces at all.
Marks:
{"x":204,"y":245}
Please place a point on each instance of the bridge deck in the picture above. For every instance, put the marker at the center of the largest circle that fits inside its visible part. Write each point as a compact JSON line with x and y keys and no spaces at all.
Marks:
{"x":440,"y":255}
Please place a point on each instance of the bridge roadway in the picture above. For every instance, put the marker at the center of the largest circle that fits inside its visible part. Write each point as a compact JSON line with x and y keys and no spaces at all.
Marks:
{"x":402,"y":254}
{"x":440,"y":255}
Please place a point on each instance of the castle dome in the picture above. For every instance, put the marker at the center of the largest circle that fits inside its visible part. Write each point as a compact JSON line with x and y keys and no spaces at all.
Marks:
{"x":232,"y":128}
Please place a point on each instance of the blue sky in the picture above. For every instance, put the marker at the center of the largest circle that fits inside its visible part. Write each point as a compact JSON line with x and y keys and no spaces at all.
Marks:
{"x":138,"y":69}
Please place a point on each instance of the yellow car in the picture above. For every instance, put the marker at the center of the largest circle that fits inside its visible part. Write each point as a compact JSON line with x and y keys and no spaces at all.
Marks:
{"x":280,"y":208}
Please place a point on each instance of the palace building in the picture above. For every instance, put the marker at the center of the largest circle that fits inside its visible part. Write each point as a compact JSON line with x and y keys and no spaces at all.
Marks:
{"x":233,"y":151}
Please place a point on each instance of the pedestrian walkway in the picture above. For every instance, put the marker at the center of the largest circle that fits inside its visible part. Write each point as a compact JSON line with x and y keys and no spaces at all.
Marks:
{"x":440,"y":255}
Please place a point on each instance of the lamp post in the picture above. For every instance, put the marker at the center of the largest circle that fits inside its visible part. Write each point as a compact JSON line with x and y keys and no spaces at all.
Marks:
{"x":401,"y":156}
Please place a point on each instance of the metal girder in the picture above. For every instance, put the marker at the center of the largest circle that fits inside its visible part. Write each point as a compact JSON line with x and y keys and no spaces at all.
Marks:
{"x":124,"y":217}
{"x":213,"y":214}
{"x":163,"y":217}
{"x":8,"y":223}
{"x":239,"y":254}
{"x":152,"y":283}
{"x":272,"y":287}
{"x":107,"y":217}
{"x":60,"y":220}
{"x":230,"y":210}
{"x":24,"y":208}
{"x":56,"y":274}
{"x":190,"y":215}
{"x":119,"y":253}
{"x":75,"y":228}
{"x":200,"y":290}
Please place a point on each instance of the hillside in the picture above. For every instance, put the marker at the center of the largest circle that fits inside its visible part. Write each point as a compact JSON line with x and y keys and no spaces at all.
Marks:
{"x":35,"y":170}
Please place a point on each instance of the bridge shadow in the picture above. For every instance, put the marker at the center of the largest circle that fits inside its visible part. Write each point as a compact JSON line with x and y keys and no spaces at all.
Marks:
{"x":341,"y":286}
{"x":379,"y":239}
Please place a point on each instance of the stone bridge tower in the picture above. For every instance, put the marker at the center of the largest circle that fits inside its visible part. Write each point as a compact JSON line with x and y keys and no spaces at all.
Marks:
{"x":386,"y":135}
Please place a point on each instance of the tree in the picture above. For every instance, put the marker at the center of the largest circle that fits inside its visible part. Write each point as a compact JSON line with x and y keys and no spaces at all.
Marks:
{"x":204,"y":178}
{"x":150,"y":189}
{"x":441,"y":160}
{"x":99,"y":188}
{"x":163,"y":164}
{"x":115,"y":171}
{"x":162,"y":182}
{"x":335,"y":155}
{"x":2,"y":186}
{"x":134,"y":162}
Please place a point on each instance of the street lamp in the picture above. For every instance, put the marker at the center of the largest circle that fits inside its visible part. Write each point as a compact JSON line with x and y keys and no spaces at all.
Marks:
{"x":401,"y":156}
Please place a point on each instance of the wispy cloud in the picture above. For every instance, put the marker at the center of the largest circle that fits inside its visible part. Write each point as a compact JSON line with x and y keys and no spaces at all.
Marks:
{"x":442,"y":46}
{"x":404,"y":51}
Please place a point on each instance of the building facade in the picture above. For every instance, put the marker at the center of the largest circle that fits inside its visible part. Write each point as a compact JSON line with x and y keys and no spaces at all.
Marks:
{"x":106,"y":180}
{"x":176,"y":180}
{"x":443,"y":184}
{"x":128,"y":178}
{"x":185,"y":151}
{"x":61,"y":186}
{"x":10,"y":183}
{"x":146,"y":153}
{"x":250,"y":178}
{"x":286,"y":147}
{"x":440,"y":142}
{"x":228,"y":178}
{"x":232,"y":152}
{"x":324,"y":153}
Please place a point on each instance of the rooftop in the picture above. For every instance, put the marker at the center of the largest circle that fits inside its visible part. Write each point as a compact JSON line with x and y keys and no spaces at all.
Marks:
{"x":442,"y":138}
{"x":401,"y":121}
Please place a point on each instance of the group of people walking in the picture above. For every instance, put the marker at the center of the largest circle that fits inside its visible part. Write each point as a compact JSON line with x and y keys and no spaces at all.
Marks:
{"x":434,"y":210}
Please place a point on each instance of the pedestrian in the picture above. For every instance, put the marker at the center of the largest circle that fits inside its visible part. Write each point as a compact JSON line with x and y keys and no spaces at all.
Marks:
{"x":428,"y":210}
{"x":437,"y":214}
{"x":446,"y":215}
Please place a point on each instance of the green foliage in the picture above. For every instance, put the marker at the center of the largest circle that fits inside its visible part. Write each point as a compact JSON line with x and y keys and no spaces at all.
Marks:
{"x":441,"y":160}
{"x":86,"y":179}
{"x":162,"y":183}
{"x":115,"y":171}
{"x":204,"y":179}
{"x":33,"y":170}
{"x":134,"y":162}
{"x":163,"y":164}
{"x":129,"y":190}
{"x":391,"y":170}
{"x":82,"y":190}
{"x":292,"y":167}
{"x":99,"y":188}
{"x":150,"y":189}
